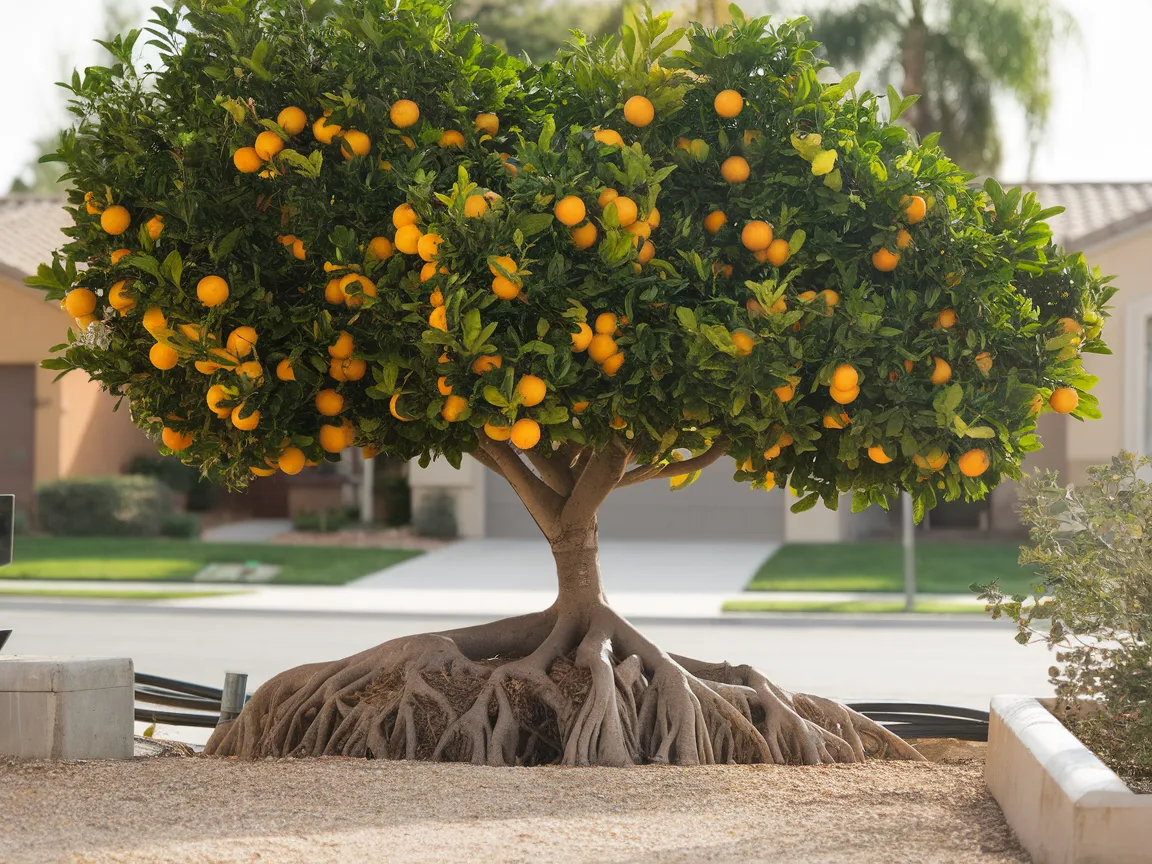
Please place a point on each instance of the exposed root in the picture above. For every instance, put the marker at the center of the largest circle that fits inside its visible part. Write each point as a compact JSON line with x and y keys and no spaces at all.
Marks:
{"x":581,"y":688}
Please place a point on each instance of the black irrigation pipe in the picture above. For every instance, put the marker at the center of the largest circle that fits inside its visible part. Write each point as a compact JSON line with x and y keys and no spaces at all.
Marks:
{"x":180,"y":686}
{"x":176,"y":718}
{"x":920,"y":708}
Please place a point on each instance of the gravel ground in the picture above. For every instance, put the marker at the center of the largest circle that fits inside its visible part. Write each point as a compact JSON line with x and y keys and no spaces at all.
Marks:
{"x":335,"y":810}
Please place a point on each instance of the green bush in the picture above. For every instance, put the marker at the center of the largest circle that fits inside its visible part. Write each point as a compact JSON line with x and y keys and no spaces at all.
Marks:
{"x":436,"y":516}
{"x":1092,"y":603}
{"x":321,"y":522}
{"x":183,"y":526}
{"x":129,"y":506}
{"x":180,"y":478}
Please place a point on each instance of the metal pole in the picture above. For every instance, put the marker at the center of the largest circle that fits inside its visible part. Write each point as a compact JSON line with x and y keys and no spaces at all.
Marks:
{"x":367,"y":490}
{"x":909,"y":541}
{"x":233,"y":698}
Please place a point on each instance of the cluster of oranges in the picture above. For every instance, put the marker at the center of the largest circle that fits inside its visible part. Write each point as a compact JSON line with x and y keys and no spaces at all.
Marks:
{"x":915,"y":209}
{"x":600,"y":342}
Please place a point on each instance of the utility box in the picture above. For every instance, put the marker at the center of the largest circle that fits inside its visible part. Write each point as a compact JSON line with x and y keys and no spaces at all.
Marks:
{"x":61,"y":707}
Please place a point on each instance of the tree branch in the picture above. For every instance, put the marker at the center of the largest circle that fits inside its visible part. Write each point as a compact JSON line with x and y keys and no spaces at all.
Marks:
{"x":544,"y":505}
{"x":599,"y":477}
{"x":674,"y":469}
{"x":552,"y":470}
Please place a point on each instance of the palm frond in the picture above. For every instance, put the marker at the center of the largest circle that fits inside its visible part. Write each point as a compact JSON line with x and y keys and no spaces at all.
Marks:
{"x":852,"y":36}
{"x":959,"y":104}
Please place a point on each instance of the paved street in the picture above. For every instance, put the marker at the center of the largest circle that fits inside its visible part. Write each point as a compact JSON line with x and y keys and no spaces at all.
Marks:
{"x":955,"y":662}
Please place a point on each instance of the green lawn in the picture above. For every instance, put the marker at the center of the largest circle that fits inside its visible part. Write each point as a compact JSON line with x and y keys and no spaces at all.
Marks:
{"x":111,"y":593}
{"x":849,"y":606}
{"x":135,"y":559}
{"x":941,"y":568}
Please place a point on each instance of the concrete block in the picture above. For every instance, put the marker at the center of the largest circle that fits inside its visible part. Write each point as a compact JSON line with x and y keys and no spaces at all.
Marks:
{"x":60,"y":707}
{"x":1065,"y":805}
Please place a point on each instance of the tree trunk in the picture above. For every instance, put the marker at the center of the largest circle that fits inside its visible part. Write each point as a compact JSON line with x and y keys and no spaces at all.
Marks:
{"x":914,"y":58}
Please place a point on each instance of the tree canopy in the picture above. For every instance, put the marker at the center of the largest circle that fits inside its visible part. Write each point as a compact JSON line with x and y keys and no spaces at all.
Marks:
{"x":334,"y":223}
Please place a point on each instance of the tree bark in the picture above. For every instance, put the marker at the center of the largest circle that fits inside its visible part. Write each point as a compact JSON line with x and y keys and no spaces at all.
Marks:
{"x":914,"y":59}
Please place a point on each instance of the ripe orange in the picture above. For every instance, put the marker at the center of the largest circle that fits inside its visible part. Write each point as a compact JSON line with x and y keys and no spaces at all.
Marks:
{"x":728,"y":103}
{"x":606,"y":322}
{"x":298,"y":251}
{"x":584,"y":236}
{"x":333,"y":293}
{"x":212,"y":291}
{"x":626,"y":211}
{"x":291,"y":460}
{"x":354,"y":143}
{"x":115,"y":220}
{"x":778,"y":252}
{"x":756,"y":235}
{"x":915,"y":208}
{"x":606,"y":197}
{"x":973,"y":463}
{"x":119,"y":299}
{"x":475,"y":205}
{"x":292,"y":120}
{"x":487,"y":122}
{"x":941,"y":372}
{"x":247,"y":160}
{"x":91,"y":204}
{"x":155,"y":226}
{"x":885,"y":261}
{"x":1064,"y":400}
{"x":323,"y":131}
{"x":525,"y":433}
{"x":351,"y":369}
{"x":743,"y":342}
{"x":612,"y":365}
{"x":403,"y":215}
{"x":582,"y":338}
{"x":438,"y":320}
{"x":932,"y":460}
{"x":903,"y":239}
{"x":451,"y":138}
{"x":436,"y":298}
{"x":1070,"y":325}
{"x":580,"y":407}
{"x":845,"y":377}
{"x":404,"y":113}
{"x":844,"y":397}
{"x":505,"y":289}
{"x":343,"y":346}
{"x":653,"y":219}
{"x":80,"y":302}
{"x":329,"y":403}
{"x":427,"y":245}
{"x":735,"y":169}
{"x":443,"y":386}
{"x":163,"y":356}
{"x":453,"y":407}
{"x":252,"y":370}
{"x":532,"y":390}
{"x":262,"y":472}
{"x":647,"y":252}
{"x":601,"y":347}
{"x":284,"y":370}
{"x":570,"y":210}
{"x":946,"y":319}
{"x":785,"y":392}
{"x":618,"y":422}
{"x":716,"y":220}
{"x":407,"y":239}
{"x":333,"y":439}
{"x":503,"y":261}
{"x":216,"y":394}
{"x":154,"y":321}
{"x":486,"y":362}
{"x":174,"y":440}
{"x":639,"y":111}
{"x":380,"y":248}
{"x":836,"y":421}
{"x":394,"y":409}
{"x":268,"y":144}
{"x":245,"y":422}
{"x":777,"y":308}
{"x":116,"y":256}
{"x":876,"y":454}
{"x":241,"y":341}
{"x":609,"y":137}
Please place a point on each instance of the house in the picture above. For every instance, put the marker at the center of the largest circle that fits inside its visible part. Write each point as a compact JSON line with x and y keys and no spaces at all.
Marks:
{"x":48,"y":430}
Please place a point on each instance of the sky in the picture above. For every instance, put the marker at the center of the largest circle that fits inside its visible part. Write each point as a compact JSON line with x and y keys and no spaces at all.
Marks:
{"x":1096,"y":82}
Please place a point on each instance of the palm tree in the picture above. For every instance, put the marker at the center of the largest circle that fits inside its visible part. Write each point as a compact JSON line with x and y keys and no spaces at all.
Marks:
{"x":957,"y":55}
{"x":536,"y":28}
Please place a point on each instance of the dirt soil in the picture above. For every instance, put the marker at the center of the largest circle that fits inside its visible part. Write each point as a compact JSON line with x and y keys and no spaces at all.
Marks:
{"x":194,"y":810}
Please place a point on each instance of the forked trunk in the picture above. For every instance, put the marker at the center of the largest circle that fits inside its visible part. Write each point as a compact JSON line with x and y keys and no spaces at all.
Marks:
{"x":577,"y":555}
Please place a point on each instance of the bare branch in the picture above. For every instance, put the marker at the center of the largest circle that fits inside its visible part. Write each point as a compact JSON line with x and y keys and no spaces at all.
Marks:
{"x":552,"y":470}
{"x":544,"y":505}
{"x":597,"y":479}
{"x":674,"y":469}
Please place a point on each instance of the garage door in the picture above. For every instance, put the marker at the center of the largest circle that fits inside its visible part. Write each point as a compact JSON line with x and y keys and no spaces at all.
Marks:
{"x":713,"y":508}
{"x":17,"y":432}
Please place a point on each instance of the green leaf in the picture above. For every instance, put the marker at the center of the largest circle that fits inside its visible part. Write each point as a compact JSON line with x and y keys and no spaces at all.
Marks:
{"x":494,"y":397}
{"x":547,"y":130}
{"x":835,"y":92}
{"x":226,"y":246}
{"x":534,"y":223}
{"x":834,"y":180}
{"x":687,"y":318}
{"x":173,"y":267}
{"x":980,"y":432}
{"x":806,"y":503}
{"x":796,"y":241}
{"x":472,"y":341}
{"x":551,"y":415}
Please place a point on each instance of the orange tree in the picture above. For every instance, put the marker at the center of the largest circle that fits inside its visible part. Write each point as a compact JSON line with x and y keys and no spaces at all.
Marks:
{"x":327,"y":224}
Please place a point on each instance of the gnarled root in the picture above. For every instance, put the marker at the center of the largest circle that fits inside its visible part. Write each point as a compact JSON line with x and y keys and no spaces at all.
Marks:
{"x":572,"y":687}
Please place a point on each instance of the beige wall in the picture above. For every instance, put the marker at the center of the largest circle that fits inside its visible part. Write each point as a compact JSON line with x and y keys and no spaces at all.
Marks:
{"x":77,"y":433}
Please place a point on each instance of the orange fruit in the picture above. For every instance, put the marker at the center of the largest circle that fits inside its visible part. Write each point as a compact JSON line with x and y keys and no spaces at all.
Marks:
{"x":292,"y":120}
{"x":212,"y":291}
{"x":486,"y":362}
{"x":453,"y":407}
{"x":262,"y":472}
{"x":351,"y":369}
{"x":487,"y":122}
{"x":403,"y":215}
{"x":80,"y":302}
{"x":785,"y":392}
{"x":380,"y":248}
{"x":607,"y":197}
{"x":268,"y":144}
{"x":333,"y":293}
{"x":932,"y":460}
{"x":735,"y":169}
{"x":626,"y":211}
{"x":155,"y":226}
{"x":427,"y":245}
{"x":407,"y":239}
{"x":845,"y":377}
{"x":525,"y":433}
{"x":115,"y":220}
{"x":116,"y":256}
{"x":582,"y":338}
{"x":333,"y":439}
{"x":601,"y":347}
{"x":1064,"y":400}
{"x":941,"y":372}
{"x":291,"y":460}
{"x":497,"y":433}
{"x":354,"y":143}
{"x":1070,"y":325}
{"x":830,"y":298}
{"x":329,"y":403}
{"x":778,"y":252}
{"x":404,"y":113}
{"x":216,"y":394}
{"x":876,"y":454}
{"x":436,"y":298}
{"x":639,"y":111}
{"x":647,"y":252}
{"x":915,"y":208}
{"x":475,"y":206}
{"x":653,"y":219}
{"x":606,"y":322}
{"x":609,"y":137}
{"x":756,"y":235}
{"x":91,"y":204}
{"x":427,"y":272}
{"x":885,"y":261}
{"x":355,"y":288}
{"x":728,"y":103}
{"x":777,"y":308}
{"x":503,"y":261}
{"x":584,"y":236}
{"x":443,"y":386}
{"x":343,"y":346}
{"x":532,"y":390}
{"x":284,"y":370}
{"x":946,"y":318}
{"x":570,"y":211}
{"x":251,"y":369}
{"x":439,"y":318}
{"x":716,"y":220}
{"x":245,"y":422}
{"x":298,"y":251}
{"x":908,"y":365}
{"x":806,"y":296}
{"x":836,"y":421}
{"x":247,"y":160}
{"x":973,"y":463}
{"x":612,"y":365}
{"x":154,"y":320}
{"x":903,"y":239}
{"x":118,"y":297}
{"x":725,"y":270}
{"x":618,"y":423}
{"x":394,"y":410}
{"x":451,"y":138}
{"x":844,"y":397}
{"x":174,"y":440}
{"x":323,"y":131}
{"x":983,"y":362}
{"x":162,"y":356}
{"x":505,"y":289}
{"x":241,"y":341}
{"x":580,"y":407}
{"x":743,"y":342}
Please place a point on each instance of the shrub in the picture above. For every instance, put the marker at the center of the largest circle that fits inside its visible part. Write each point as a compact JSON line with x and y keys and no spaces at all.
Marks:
{"x":436,"y":516}
{"x":129,"y":506}
{"x":184,"y":526}
{"x":180,"y":478}
{"x":1092,"y":603}
{"x":323,"y":521}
